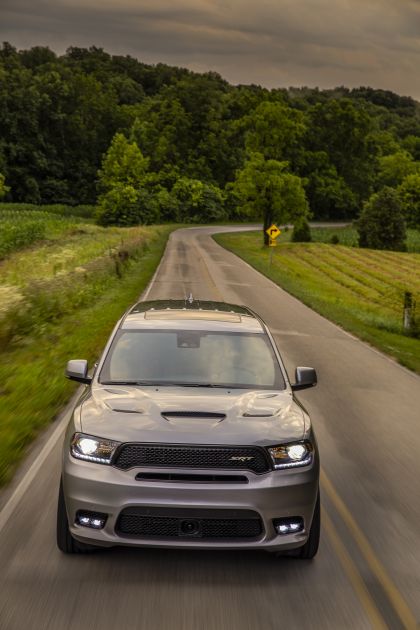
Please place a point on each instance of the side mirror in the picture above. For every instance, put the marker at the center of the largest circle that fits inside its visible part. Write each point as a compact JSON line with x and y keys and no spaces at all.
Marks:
{"x":77,"y":370}
{"x":305,"y":377}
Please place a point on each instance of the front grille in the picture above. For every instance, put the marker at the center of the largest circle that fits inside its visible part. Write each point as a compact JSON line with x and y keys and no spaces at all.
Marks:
{"x":189,"y":524}
{"x":175,"y":456}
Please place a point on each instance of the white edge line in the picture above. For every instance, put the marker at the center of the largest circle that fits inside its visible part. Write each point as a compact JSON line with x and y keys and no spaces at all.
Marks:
{"x":10,"y":505}
{"x":145,"y":293}
{"x":17,"y":495}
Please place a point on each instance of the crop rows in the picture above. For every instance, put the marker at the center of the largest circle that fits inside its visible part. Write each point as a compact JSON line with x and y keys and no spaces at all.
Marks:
{"x":22,"y":228}
{"x":359,"y":278}
{"x":57,"y":209}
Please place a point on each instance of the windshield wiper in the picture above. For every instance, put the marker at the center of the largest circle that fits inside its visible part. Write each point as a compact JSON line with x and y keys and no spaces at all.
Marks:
{"x":130,"y":383}
{"x":171,"y":384}
{"x":207,"y":385}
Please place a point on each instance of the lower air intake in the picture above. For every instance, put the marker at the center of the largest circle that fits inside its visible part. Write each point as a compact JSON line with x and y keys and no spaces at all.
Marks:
{"x":146,"y":523}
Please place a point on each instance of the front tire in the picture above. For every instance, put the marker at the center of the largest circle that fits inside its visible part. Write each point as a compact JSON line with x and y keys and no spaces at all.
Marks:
{"x":310,"y":548}
{"x":65,"y":541}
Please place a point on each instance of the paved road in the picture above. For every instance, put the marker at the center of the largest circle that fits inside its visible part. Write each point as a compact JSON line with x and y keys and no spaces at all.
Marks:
{"x":366,"y":410}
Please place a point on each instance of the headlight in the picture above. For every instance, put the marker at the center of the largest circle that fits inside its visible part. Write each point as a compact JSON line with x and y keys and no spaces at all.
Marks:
{"x":291,"y":455}
{"x":92,"y":449}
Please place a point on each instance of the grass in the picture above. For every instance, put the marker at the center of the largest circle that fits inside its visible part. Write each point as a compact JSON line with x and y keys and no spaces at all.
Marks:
{"x":63,"y":315}
{"x":348,"y":236}
{"x":361,"y":290}
{"x":21,"y":229}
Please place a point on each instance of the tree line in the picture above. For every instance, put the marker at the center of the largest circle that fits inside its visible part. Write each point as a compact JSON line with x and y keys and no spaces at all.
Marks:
{"x":160,"y":143}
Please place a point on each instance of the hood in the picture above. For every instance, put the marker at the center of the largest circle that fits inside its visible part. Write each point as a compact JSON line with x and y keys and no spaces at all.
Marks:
{"x":177,"y":415}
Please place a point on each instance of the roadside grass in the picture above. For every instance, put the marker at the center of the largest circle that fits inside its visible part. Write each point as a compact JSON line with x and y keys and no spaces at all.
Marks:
{"x":72,"y":247}
{"x":32,"y":384}
{"x":361,"y":290}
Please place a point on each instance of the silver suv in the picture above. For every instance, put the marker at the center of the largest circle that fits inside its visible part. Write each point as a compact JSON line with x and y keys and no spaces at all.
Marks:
{"x":188,"y":434}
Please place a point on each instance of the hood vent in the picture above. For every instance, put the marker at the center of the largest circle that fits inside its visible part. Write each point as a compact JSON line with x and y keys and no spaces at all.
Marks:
{"x":168,"y":415}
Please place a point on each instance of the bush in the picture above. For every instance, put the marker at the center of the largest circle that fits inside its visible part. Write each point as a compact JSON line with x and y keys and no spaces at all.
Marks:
{"x":301,"y":232}
{"x":198,"y":202}
{"x":119,"y":206}
{"x":125,"y":205}
{"x":381,"y":224}
{"x":334,"y":240}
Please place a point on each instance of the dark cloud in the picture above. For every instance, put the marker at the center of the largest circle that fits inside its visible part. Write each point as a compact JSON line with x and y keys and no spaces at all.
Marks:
{"x":272,"y":42}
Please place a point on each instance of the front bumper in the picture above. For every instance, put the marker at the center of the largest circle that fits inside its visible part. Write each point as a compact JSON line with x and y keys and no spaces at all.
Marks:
{"x":277,"y":494}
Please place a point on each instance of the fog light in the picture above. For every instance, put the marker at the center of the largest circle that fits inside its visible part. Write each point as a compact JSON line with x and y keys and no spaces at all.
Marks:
{"x":291,"y":525}
{"x":95,"y":520}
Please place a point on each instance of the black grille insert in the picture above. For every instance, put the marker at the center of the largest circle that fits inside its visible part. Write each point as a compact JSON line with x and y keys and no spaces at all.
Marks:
{"x":198,"y":524}
{"x":177,"y":456}
{"x":191,"y":478}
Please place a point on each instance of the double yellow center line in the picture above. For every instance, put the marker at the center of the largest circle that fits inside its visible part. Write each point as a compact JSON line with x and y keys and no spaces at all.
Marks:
{"x":394,"y":596}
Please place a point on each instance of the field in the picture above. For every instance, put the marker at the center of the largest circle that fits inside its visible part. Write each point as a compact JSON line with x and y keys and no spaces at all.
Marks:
{"x":348,"y":236}
{"x":60,"y":297}
{"x":22,"y":225}
{"x":361,"y":290}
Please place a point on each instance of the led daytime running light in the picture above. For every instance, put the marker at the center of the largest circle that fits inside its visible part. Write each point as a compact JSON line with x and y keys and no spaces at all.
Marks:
{"x":292,"y":455}
{"x":93,"y":449}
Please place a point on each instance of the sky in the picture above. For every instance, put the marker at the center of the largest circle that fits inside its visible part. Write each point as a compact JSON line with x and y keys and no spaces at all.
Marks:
{"x":275,"y":43}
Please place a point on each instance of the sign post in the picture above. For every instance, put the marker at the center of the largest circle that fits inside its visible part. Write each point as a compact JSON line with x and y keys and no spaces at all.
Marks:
{"x":273,"y":232}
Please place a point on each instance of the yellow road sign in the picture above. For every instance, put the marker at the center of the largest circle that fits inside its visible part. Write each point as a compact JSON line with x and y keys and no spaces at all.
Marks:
{"x":273,"y":231}
{"x":272,"y":242}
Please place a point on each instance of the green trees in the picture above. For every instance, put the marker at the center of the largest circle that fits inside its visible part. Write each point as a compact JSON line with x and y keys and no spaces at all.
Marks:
{"x":328,"y":194}
{"x":274,"y":130}
{"x":266,"y":190}
{"x":59,"y":115}
{"x":344,"y":131}
{"x":395,"y":167}
{"x":381,"y":224}
{"x":409,"y":194}
{"x":132,"y":194}
{"x":124,"y":198}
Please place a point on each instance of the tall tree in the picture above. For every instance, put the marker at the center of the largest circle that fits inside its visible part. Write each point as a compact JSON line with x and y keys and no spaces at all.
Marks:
{"x":124,"y":198}
{"x":266,"y":190}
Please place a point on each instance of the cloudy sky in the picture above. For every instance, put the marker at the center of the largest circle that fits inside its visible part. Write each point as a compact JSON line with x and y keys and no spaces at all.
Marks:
{"x":271,"y":42}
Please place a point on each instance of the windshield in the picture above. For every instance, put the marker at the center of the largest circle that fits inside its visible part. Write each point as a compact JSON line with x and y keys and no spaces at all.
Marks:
{"x":192,"y":358}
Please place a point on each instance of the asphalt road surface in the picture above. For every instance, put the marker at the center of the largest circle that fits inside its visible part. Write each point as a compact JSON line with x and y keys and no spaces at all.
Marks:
{"x":366,"y":411}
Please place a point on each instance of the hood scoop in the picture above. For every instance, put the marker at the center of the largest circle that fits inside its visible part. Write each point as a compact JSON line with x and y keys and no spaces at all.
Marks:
{"x":123,"y":405}
{"x":195,"y":421}
{"x":203,"y":415}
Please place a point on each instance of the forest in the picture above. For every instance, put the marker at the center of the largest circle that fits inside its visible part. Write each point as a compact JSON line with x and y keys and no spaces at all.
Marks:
{"x":157,"y":143}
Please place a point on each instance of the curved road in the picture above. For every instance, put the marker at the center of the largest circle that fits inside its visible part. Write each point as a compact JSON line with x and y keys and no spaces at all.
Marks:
{"x":366,"y":410}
